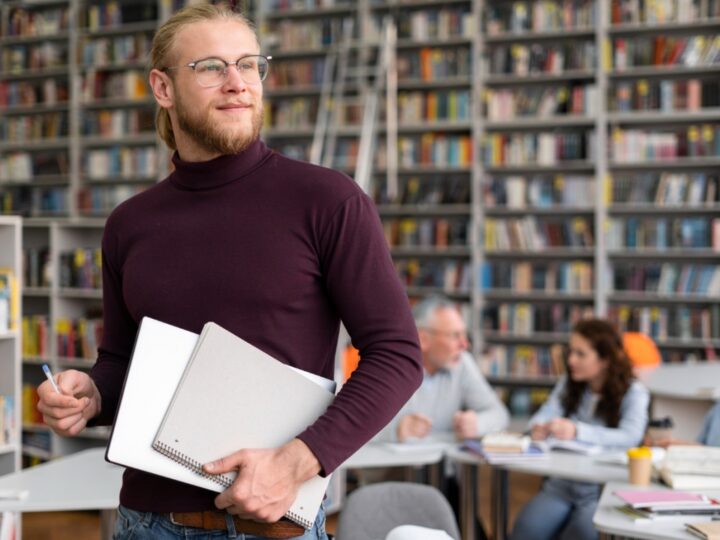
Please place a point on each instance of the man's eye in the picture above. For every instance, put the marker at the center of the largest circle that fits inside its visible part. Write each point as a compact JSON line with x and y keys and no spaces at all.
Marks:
{"x":248,"y":66}
{"x":211,"y":66}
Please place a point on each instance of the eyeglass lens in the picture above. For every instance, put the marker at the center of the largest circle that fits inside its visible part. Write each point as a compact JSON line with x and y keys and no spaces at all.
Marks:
{"x":213,"y":71}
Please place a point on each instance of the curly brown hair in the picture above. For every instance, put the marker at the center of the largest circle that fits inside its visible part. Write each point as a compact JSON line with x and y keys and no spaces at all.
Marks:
{"x":607,"y":342}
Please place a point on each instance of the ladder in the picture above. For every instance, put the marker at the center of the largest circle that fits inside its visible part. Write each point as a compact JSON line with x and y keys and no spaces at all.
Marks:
{"x":369,"y":82}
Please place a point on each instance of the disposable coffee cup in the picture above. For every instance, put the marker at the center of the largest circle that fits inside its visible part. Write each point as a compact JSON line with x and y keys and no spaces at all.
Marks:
{"x":639,"y":465}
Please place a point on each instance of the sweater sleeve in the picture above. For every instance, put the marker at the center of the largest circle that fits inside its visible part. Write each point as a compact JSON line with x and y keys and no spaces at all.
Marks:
{"x":633,"y":420}
{"x":552,"y":408}
{"x":478,"y":396}
{"x":119,"y":330}
{"x":361,"y":281}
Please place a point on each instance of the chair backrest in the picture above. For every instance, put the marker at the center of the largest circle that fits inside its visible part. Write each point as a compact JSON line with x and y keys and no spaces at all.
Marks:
{"x":641,"y":349}
{"x":372,"y":511}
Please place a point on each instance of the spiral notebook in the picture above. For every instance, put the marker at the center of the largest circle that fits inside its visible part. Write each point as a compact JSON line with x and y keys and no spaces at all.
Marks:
{"x":231,"y":396}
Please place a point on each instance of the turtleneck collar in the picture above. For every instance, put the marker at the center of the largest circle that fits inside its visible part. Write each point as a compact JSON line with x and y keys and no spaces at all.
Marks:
{"x":220,"y":170}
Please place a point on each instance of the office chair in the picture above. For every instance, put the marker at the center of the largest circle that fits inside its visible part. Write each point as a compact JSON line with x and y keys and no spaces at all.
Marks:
{"x":372,"y":511}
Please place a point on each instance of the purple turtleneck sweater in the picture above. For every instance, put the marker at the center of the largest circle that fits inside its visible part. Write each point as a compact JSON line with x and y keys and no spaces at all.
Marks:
{"x":278,"y":252}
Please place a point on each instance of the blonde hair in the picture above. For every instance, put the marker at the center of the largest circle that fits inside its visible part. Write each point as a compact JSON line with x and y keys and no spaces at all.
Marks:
{"x":161,"y":54}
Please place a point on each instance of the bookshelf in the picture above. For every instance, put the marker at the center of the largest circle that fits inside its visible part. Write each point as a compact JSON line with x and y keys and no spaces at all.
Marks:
{"x":555,"y":159}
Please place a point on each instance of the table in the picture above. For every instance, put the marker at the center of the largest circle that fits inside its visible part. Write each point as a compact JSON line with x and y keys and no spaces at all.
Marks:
{"x":612,"y":523}
{"x":558,"y":464}
{"x":81,"y":481}
{"x":685,"y":392}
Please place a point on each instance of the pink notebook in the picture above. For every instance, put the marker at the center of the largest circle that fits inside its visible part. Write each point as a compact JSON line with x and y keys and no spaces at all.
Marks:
{"x":643,"y":498}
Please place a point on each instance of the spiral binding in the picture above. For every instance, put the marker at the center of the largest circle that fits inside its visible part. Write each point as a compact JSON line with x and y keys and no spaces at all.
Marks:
{"x":190,"y":463}
{"x":223,"y":480}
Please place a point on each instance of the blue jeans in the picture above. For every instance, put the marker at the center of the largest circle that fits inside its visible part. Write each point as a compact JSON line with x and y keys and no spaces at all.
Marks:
{"x":562,"y":510}
{"x":132,"y":525}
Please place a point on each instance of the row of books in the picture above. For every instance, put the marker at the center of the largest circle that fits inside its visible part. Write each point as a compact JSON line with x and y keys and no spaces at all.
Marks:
{"x":531,"y":234}
{"x":663,"y":233}
{"x":689,"y":51}
{"x":538,"y":191}
{"x":450,"y":275}
{"x":8,"y":425}
{"x":118,"y":122}
{"x":544,"y":148}
{"x":81,"y":268}
{"x":425,"y":190}
{"x":113,"y":13}
{"x":35,"y":202}
{"x":299,"y":112}
{"x":289,"y":35}
{"x":524,"y":59}
{"x":522,"y":360}
{"x":526,"y":276}
{"x":37,"y":270}
{"x":433,"y":64}
{"x":9,"y":300}
{"x":628,"y":145}
{"x":131,"y":84}
{"x":49,"y":91}
{"x":295,"y":72}
{"x":78,"y":338}
{"x":126,"y":162}
{"x":48,"y":22}
{"x":432,"y":24}
{"x":18,"y":58}
{"x":668,"y":278}
{"x":540,"y":101}
{"x":100,"y":200}
{"x":666,"y":189}
{"x":539,"y":16}
{"x":431,"y":149}
{"x":307,"y":5}
{"x":434,"y":105}
{"x":524,"y":319}
{"x":662,"y":323}
{"x":426,"y":232}
{"x":662,"y":11}
{"x":116,"y":50}
{"x":37,"y":443}
{"x":664,"y":95}
{"x":35,"y":336}
{"x":34,"y":127}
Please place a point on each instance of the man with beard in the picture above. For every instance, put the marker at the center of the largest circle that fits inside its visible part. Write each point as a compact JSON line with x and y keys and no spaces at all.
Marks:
{"x":276,"y":251}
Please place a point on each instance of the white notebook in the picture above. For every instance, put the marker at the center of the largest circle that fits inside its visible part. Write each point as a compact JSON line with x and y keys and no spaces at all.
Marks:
{"x":231,"y":396}
{"x":159,"y":358}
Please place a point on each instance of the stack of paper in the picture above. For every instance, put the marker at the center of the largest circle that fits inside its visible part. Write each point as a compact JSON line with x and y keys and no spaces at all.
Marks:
{"x":531,"y":453}
{"x":658,"y":504}
{"x":691,"y":467}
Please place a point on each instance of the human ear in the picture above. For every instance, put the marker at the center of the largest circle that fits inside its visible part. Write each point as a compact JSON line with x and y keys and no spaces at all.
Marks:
{"x":162,"y":88}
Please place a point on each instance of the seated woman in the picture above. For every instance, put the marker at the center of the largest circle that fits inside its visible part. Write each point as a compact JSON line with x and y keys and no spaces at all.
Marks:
{"x":598,"y":402}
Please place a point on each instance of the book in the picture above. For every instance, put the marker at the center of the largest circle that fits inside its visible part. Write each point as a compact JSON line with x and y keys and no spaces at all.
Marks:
{"x":256,"y":402}
{"x":659,"y":499}
{"x":531,"y":453}
{"x":160,"y":355}
{"x":572,"y":445}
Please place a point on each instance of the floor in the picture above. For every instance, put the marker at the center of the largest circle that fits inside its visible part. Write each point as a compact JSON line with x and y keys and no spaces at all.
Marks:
{"x":86,"y":525}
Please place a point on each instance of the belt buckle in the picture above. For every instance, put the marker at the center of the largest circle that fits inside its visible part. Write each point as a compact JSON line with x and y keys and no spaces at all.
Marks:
{"x":172,"y":519}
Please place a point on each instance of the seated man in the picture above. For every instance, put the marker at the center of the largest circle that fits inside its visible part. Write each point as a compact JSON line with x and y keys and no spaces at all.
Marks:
{"x":454,"y":397}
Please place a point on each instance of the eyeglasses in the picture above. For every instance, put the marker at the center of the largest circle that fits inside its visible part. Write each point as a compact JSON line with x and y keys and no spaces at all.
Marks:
{"x":211,"y":72}
{"x":457,"y":335}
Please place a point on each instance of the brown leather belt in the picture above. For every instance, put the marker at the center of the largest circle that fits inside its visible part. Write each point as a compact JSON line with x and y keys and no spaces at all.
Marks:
{"x":214,"y":520}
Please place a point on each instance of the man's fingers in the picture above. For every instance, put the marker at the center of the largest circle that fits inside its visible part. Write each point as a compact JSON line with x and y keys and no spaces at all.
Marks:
{"x":226,"y":464}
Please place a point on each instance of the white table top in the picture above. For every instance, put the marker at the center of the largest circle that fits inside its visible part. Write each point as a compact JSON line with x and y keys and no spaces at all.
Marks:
{"x":609,"y":520}
{"x":82,"y":481}
{"x":374,"y":455}
{"x":684,"y":381}
{"x":566,"y":465}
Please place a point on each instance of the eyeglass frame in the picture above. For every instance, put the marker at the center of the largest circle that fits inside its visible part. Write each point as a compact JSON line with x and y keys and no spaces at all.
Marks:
{"x":236,"y":63}
{"x":457,"y":335}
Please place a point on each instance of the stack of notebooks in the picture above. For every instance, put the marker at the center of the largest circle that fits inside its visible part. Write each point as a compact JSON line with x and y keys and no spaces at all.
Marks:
{"x":498,"y":448}
{"x":648,"y":506}
{"x":691,"y":467}
{"x":213,"y":394}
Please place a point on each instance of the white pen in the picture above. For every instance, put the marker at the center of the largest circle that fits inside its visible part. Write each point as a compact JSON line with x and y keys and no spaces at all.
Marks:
{"x":50,"y":378}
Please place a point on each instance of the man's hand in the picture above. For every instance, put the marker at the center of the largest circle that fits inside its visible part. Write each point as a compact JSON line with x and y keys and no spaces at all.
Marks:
{"x":267,"y":482}
{"x":465,"y":424}
{"x":562,"y":428}
{"x":68,"y":413}
{"x":413,"y":425}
